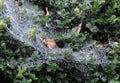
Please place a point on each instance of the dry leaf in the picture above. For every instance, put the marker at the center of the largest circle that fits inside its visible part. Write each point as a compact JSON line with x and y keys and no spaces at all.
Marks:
{"x":50,"y":43}
{"x":47,"y":12}
{"x":79,"y":28}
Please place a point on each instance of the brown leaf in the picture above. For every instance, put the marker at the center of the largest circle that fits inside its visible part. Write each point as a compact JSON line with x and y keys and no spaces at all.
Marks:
{"x":50,"y":43}
{"x":47,"y":12}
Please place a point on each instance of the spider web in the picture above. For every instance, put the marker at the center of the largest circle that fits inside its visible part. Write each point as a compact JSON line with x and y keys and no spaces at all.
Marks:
{"x":21,"y":26}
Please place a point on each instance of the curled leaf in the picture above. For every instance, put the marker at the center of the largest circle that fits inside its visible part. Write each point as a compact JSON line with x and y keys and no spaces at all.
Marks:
{"x":50,"y":43}
{"x":47,"y":12}
{"x":79,"y":27}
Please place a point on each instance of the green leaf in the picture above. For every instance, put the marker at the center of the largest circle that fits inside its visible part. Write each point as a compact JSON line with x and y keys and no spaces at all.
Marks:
{"x":21,"y":72}
{"x":2,"y":4}
{"x":1,"y":67}
{"x":32,"y":33}
{"x":29,"y":81}
{"x":1,"y":25}
{"x":32,"y":76}
{"x":48,"y":78}
{"x":61,"y":75}
{"x":116,"y":77}
{"x":23,"y":12}
{"x":113,"y":81}
{"x":43,"y":20}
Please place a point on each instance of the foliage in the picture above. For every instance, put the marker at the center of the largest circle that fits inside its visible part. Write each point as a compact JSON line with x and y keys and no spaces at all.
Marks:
{"x":101,"y":21}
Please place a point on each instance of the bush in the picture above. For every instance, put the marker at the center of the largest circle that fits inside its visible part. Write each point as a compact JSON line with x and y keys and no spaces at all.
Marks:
{"x":100,"y":20}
